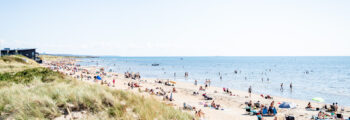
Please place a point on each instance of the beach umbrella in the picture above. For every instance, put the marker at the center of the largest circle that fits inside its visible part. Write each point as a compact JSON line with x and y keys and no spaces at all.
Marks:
{"x":318,"y":99}
{"x":287,"y":105}
{"x":99,"y":78}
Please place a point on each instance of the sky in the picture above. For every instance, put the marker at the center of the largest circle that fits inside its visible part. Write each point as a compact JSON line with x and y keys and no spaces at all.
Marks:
{"x":178,"y":27}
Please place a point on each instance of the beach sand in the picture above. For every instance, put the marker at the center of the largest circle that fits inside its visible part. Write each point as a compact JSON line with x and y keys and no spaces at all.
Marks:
{"x":233,"y":106}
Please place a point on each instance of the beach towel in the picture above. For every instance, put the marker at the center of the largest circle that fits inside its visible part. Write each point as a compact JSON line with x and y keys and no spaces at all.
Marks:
{"x":99,"y":78}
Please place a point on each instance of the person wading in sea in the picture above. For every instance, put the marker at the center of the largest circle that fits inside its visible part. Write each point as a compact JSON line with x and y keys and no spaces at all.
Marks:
{"x":281,"y":89}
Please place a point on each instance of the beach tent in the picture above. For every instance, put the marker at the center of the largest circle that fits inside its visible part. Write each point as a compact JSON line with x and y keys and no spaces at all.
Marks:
{"x":99,"y":78}
{"x":173,"y":82}
{"x":287,"y":105}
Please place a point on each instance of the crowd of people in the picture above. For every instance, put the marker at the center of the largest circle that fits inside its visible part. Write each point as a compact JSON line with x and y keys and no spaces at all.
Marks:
{"x":258,"y":109}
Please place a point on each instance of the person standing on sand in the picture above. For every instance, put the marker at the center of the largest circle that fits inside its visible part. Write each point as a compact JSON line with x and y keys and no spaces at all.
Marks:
{"x":113,"y":82}
{"x":250,"y":91}
{"x":195,"y":82}
{"x":291,"y":86}
{"x":209,"y":82}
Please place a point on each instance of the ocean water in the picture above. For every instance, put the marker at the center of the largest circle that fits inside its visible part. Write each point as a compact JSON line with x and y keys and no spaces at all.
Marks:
{"x":326,"y":77}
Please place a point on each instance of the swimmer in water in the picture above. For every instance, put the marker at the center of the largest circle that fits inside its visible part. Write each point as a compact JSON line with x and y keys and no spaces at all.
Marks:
{"x":281,"y":87}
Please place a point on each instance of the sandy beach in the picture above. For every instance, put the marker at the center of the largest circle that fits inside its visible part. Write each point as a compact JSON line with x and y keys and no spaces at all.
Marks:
{"x":232,"y":106}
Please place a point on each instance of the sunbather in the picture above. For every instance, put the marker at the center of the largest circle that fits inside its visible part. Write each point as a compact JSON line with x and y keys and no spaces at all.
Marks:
{"x":207,"y":97}
{"x":309,"y":106}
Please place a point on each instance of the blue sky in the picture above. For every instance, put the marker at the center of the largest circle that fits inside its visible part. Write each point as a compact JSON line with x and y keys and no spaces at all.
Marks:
{"x":178,"y":27}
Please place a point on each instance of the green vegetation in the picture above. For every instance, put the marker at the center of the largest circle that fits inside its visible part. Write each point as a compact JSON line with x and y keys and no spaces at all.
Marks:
{"x":39,"y":93}
{"x":16,"y":63}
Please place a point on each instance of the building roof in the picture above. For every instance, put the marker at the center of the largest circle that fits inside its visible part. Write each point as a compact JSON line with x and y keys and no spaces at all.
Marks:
{"x":19,"y":49}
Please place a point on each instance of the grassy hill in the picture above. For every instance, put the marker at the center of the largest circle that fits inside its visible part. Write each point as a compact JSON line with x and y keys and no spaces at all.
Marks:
{"x":16,"y":63}
{"x":29,"y":91}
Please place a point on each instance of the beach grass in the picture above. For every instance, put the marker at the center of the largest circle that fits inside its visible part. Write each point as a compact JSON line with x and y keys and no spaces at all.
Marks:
{"x":40,"y":93}
{"x":16,"y":63}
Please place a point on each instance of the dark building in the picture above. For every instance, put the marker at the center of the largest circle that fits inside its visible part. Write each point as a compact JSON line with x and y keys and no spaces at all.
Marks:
{"x":30,"y":53}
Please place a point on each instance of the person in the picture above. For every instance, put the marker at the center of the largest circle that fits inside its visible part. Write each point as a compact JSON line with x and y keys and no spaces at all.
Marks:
{"x":259,"y":116}
{"x":201,"y":88}
{"x":171,"y":97}
{"x":195,"y":82}
{"x":320,"y":115}
{"x":336,"y":106}
{"x":272,"y":109}
{"x":250,"y":91}
{"x":309,"y":105}
{"x":291,"y":86}
{"x":113,"y":82}
{"x":199,"y":113}
{"x":213,"y":104}
{"x":281,"y":87}
{"x":250,"y":103}
{"x":209,"y":82}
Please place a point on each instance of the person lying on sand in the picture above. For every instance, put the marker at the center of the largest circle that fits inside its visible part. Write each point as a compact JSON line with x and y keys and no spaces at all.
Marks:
{"x":188,"y":107}
{"x":207,"y":97}
{"x":216,"y":106}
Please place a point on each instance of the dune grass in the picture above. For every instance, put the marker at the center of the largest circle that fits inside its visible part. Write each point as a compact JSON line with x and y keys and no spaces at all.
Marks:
{"x":39,"y":93}
{"x":16,"y":63}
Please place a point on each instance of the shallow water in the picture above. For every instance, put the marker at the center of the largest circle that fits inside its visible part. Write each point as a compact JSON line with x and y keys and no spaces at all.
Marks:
{"x":327,"y":77}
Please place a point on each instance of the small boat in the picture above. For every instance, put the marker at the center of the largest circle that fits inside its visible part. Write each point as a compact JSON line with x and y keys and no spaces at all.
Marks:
{"x":155,"y":64}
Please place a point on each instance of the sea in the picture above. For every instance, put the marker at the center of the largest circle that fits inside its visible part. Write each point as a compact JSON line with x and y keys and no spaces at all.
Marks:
{"x":310,"y":76}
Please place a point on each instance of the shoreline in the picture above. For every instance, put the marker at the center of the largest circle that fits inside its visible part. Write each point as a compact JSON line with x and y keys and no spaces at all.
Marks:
{"x":233,"y":106}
